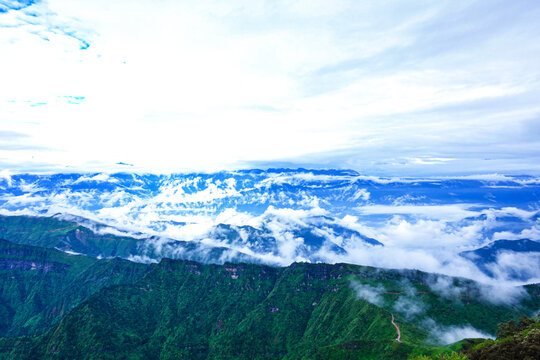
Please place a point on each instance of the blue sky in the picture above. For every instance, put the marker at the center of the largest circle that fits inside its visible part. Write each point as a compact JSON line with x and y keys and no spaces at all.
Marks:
{"x":382,"y":87}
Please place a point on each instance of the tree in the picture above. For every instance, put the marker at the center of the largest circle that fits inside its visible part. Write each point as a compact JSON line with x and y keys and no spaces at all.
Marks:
{"x":506,"y":329}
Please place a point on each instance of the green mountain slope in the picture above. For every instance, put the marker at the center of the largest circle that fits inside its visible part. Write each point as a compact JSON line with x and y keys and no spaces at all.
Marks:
{"x":39,"y":286}
{"x":94,"y":240}
{"x":52,"y":232}
{"x":183,"y":309}
{"x":76,"y":307}
{"x":424,"y":298}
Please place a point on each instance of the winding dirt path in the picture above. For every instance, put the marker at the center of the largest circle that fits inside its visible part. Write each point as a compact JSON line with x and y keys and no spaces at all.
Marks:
{"x":398,"y":339}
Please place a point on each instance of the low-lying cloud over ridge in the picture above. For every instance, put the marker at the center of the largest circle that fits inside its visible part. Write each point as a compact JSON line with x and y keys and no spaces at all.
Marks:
{"x":422,"y":223}
{"x":405,"y":296}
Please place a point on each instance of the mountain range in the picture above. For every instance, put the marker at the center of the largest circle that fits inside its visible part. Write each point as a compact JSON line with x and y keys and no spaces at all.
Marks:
{"x":220,"y":245}
{"x":273,"y":264}
{"x":85,"y":308}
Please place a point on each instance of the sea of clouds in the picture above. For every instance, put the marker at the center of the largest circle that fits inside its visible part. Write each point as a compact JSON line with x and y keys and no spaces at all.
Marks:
{"x":423,"y":223}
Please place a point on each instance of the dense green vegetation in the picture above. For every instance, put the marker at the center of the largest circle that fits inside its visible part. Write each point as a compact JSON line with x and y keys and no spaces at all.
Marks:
{"x":183,"y":308}
{"x":241,"y":311}
{"x":54,"y":305}
{"x":421,"y":297}
{"x":39,"y":286}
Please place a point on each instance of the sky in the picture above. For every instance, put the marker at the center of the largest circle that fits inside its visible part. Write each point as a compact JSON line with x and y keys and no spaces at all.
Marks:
{"x":381,"y":87}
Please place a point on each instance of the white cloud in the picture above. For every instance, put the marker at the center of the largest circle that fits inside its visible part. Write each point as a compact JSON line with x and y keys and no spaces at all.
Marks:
{"x":500,"y":292}
{"x":511,"y":211}
{"x":369,"y":293}
{"x":427,"y":234}
{"x":6,"y":175}
{"x":496,"y":291}
{"x":445,"y":287}
{"x":496,"y":178}
{"x":408,"y":307}
{"x":448,"y":212}
{"x":521,"y":265}
{"x":532,"y":233}
{"x":361,"y":194}
{"x":101,"y":177}
{"x":175,"y":193}
{"x":450,"y":334}
{"x":142,"y":259}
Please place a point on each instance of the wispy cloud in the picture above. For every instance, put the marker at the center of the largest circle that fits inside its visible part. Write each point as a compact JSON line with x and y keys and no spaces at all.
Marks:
{"x":450,"y":334}
{"x":369,"y":293}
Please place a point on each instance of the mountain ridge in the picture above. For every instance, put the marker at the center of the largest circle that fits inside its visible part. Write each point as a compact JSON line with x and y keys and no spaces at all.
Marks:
{"x":244,"y":306}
